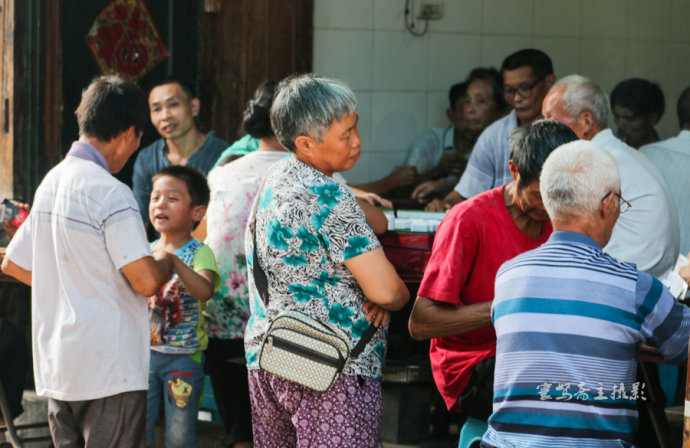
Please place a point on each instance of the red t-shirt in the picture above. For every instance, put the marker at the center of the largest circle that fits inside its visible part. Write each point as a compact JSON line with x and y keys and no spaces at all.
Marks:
{"x":474,"y":239}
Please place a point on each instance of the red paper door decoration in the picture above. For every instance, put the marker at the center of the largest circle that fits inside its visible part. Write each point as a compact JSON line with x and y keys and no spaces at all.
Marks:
{"x":124,"y":39}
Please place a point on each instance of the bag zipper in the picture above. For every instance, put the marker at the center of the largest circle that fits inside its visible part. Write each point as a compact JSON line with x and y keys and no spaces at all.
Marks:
{"x":276,"y":341}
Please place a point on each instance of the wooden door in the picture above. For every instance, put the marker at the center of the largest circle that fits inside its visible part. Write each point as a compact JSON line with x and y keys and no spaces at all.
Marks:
{"x":246,"y":42}
{"x":6,"y":97}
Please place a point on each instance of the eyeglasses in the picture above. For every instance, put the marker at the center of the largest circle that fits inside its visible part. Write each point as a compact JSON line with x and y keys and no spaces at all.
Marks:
{"x":525,"y":91}
{"x":624,"y":205}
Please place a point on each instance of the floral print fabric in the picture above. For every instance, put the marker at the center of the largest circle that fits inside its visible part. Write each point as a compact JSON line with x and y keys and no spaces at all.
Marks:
{"x":307,"y":225}
{"x":233,"y":189}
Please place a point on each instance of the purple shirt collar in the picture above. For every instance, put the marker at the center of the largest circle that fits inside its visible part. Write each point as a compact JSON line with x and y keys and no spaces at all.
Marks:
{"x":88,"y":152}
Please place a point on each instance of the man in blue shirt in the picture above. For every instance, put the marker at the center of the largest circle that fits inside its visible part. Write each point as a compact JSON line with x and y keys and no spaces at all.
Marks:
{"x":174,"y":107}
{"x":527,"y":77}
{"x":570,"y":318}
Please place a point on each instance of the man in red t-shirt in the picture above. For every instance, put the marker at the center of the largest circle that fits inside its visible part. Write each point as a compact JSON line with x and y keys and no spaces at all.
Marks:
{"x":476,"y":237}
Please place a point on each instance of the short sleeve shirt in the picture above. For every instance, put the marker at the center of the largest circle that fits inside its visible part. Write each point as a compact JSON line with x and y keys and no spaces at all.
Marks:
{"x":89,"y":326}
{"x":175,"y":316}
{"x":233,"y":189}
{"x":488,"y":165}
{"x":428,"y":148}
{"x":473,"y":240}
{"x":307,"y":225}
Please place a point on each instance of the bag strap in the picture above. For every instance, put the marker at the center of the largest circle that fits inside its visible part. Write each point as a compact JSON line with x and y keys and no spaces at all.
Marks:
{"x":261,"y":283}
{"x":364,"y":340}
{"x":260,"y":278}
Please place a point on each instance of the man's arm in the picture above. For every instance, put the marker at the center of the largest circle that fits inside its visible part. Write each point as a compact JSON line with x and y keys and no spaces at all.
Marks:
{"x":146,"y":275}
{"x":141,"y":186}
{"x":11,"y":269}
{"x":435,"y":319}
{"x":401,"y":176}
{"x":441,"y":205}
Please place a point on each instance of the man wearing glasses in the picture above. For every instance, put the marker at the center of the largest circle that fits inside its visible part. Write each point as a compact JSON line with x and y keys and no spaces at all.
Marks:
{"x":527,"y":77}
{"x":569,"y":318}
{"x":649,"y":234}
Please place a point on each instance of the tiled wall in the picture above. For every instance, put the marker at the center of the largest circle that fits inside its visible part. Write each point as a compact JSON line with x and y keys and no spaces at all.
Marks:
{"x":401,"y":81}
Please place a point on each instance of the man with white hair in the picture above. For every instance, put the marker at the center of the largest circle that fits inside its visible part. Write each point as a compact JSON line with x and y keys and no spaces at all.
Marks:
{"x":649,"y":235}
{"x":569,"y":318}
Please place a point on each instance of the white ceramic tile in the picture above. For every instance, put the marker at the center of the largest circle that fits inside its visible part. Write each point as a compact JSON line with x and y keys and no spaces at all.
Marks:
{"x":561,"y":18}
{"x":508,"y":17}
{"x":436,"y":106}
{"x":679,"y":68}
{"x":603,"y":61}
{"x":364,"y":112}
{"x":460,"y":16}
{"x":565,"y":53}
{"x":400,"y":61}
{"x":680,"y":17}
{"x":649,"y":20}
{"x":604,"y":19}
{"x":359,"y":173}
{"x":496,"y":48}
{"x":383,"y":163}
{"x":451,"y":58}
{"x":649,"y":60}
{"x":389,"y":15}
{"x":397,"y":118}
{"x":344,"y":54}
{"x":350,"y":14}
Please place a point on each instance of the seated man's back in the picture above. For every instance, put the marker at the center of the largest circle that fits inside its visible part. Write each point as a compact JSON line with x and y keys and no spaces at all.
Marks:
{"x":569,"y":318}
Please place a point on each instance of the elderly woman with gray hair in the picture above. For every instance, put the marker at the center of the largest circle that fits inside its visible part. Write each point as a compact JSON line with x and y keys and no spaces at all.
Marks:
{"x":321,"y":259}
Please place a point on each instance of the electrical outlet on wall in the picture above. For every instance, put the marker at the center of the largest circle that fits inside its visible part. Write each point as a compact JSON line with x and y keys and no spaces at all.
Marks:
{"x":430,"y":9}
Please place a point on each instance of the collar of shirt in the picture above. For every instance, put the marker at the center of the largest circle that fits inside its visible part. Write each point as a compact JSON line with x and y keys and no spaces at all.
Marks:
{"x":603,"y":136}
{"x":87,"y":152}
{"x":563,"y":236}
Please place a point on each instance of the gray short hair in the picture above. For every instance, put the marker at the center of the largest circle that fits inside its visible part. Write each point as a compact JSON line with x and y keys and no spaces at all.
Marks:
{"x":308,"y":105}
{"x":575,"y":178}
{"x":582,"y":94}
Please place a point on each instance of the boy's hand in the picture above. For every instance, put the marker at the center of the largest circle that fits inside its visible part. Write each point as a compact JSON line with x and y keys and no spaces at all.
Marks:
{"x":165,"y":258}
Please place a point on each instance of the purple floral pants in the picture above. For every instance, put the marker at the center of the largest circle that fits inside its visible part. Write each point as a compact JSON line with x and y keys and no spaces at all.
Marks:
{"x":285,"y":414}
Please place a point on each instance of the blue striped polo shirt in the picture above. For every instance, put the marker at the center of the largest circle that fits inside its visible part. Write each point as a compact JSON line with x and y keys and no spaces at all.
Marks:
{"x":569,"y":319}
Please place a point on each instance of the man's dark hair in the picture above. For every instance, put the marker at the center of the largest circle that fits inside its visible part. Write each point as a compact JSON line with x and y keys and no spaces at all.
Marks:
{"x":186,"y":86}
{"x":456,"y":92}
{"x":539,"y":61}
{"x":642,"y":97}
{"x":494,"y":79}
{"x":683,"y":108}
{"x":257,"y":119}
{"x":109,"y":106}
{"x":531,"y":145}
{"x":197,"y":187}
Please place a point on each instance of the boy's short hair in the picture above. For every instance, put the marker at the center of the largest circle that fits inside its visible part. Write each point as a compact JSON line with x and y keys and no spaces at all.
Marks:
{"x":197,"y":187}
{"x":109,"y":106}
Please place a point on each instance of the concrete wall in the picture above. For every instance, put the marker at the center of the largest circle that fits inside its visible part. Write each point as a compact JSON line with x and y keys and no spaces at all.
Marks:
{"x":401,"y":81}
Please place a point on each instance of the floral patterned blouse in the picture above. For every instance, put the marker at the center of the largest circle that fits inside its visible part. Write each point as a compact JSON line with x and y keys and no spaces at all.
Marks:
{"x":307,"y":225}
{"x":233,"y":188}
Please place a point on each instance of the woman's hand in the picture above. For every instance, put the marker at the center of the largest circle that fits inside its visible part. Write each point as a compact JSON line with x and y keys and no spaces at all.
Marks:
{"x":375,"y":314}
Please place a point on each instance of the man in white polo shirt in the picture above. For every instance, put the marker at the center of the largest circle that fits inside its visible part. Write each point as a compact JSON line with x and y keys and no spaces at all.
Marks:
{"x":84,"y":251}
{"x":648,"y":235}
